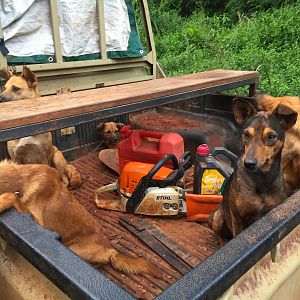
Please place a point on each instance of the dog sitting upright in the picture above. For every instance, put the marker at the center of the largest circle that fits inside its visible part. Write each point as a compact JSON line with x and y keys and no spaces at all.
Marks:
{"x":110,"y":133}
{"x":290,"y":160}
{"x":36,"y":149}
{"x":257,"y":185}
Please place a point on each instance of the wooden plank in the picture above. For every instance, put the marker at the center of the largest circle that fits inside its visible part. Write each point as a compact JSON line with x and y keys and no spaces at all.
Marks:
{"x":30,"y":111}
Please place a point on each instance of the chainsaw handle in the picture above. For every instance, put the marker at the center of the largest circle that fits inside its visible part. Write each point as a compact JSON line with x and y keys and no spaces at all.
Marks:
{"x":186,"y":160}
{"x":163,"y":161}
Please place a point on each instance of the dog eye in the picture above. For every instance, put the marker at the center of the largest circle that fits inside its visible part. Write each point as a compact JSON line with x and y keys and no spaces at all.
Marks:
{"x":246,"y":135}
{"x":15,"y":88}
{"x":271,"y":137}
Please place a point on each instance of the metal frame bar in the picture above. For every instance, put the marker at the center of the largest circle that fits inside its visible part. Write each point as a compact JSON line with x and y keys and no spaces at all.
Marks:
{"x":102,"y":33}
{"x":149,"y":35}
{"x":3,"y":62}
{"x":55,"y":30}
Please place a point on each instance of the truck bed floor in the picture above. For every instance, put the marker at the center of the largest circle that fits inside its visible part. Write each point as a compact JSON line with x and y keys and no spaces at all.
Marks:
{"x":195,"y":238}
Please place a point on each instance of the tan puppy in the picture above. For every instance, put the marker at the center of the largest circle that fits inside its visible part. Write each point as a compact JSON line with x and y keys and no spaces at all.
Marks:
{"x":37,"y":189}
{"x":290,"y":160}
{"x":109,"y":133}
{"x":38,"y":148}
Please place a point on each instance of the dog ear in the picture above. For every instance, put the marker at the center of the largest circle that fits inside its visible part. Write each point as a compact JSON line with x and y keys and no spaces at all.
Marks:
{"x":99,"y":129}
{"x":30,"y":78}
{"x":242,"y":110}
{"x":120,"y":125}
{"x":286,"y":115}
{"x":5,"y":73}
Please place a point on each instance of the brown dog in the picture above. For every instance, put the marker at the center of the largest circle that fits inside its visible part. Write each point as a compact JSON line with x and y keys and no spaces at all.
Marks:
{"x":109,"y":133}
{"x":37,"y":149}
{"x":257,"y":185}
{"x":19,"y":87}
{"x":37,"y":189}
{"x":290,"y":160}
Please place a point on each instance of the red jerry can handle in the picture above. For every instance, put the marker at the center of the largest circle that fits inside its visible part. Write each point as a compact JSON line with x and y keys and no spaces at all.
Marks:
{"x":150,"y":134}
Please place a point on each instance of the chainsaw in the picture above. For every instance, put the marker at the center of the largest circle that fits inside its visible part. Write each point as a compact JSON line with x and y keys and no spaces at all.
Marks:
{"x":155,"y":190}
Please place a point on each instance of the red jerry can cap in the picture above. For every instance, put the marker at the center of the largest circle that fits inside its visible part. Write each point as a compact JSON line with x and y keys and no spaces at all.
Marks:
{"x":203,"y":149}
{"x":126,"y":131}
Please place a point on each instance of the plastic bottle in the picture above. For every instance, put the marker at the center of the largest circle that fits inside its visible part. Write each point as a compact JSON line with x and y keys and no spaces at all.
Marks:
{"x":210,"y":173}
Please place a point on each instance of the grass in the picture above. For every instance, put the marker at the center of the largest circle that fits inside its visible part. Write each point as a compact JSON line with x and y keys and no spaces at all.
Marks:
{"x":268,"y":42}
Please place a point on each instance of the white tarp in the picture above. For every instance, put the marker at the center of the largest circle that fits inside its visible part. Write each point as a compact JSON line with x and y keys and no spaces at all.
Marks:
{"x":28,"y":22}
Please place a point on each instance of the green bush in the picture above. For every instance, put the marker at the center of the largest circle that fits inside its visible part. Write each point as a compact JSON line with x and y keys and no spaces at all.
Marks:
{"x":267,"y":41}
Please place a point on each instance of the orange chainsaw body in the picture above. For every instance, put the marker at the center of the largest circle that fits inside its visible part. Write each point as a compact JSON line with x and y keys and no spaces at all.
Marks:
{"x":133,"y":172}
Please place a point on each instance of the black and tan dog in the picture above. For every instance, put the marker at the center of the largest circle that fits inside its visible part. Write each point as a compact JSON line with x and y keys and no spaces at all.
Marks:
{"x":290,"y":160}
{"x":109,"y":133}
{"x":257,"y":185}
{"x":36,"y":149}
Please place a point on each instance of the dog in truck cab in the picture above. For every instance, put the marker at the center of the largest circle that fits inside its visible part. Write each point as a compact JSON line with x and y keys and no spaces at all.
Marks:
{"x":257,"y":185}
{"x":37,"y":148}
{"x":38,"y":190}
{"x":290,"y":160}
{"x":109,"y":133}
{"x":19,"y":87}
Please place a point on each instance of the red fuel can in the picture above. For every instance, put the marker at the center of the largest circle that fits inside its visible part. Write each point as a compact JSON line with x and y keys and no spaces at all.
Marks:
{"x":149,"y":147}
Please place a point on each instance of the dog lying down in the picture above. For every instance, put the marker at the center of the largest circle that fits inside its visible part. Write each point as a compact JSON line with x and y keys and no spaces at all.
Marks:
{"x":36,"y":149}
{"x":37,"y":189}
{"x":257,"y":185}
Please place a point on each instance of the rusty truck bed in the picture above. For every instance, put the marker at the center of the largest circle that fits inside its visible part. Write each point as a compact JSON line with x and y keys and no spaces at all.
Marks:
{"x":197,"y":240}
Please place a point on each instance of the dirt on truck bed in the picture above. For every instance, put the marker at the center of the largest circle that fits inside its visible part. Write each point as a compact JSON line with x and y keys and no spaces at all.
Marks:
{"x":195,"y":241}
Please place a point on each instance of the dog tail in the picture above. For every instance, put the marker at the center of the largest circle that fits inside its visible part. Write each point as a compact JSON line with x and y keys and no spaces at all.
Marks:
{"x":131,"y":265}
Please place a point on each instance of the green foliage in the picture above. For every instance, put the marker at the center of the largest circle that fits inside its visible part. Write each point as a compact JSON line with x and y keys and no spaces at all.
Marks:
{"x":235,"y":8}
{"x":247,"y":7}
{"x":267,"y":41}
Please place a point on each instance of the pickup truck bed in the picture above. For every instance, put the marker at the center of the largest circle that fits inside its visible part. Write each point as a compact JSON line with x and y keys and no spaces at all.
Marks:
{"x":219,"y":269}
{"x":196,"y":239}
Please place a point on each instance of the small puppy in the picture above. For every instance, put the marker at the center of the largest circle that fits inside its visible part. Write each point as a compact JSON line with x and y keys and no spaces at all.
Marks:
{"x":37,"y":189}
{"x":36,"y":149}
{"x":109,"y":133}
{"x":257,"y":185}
